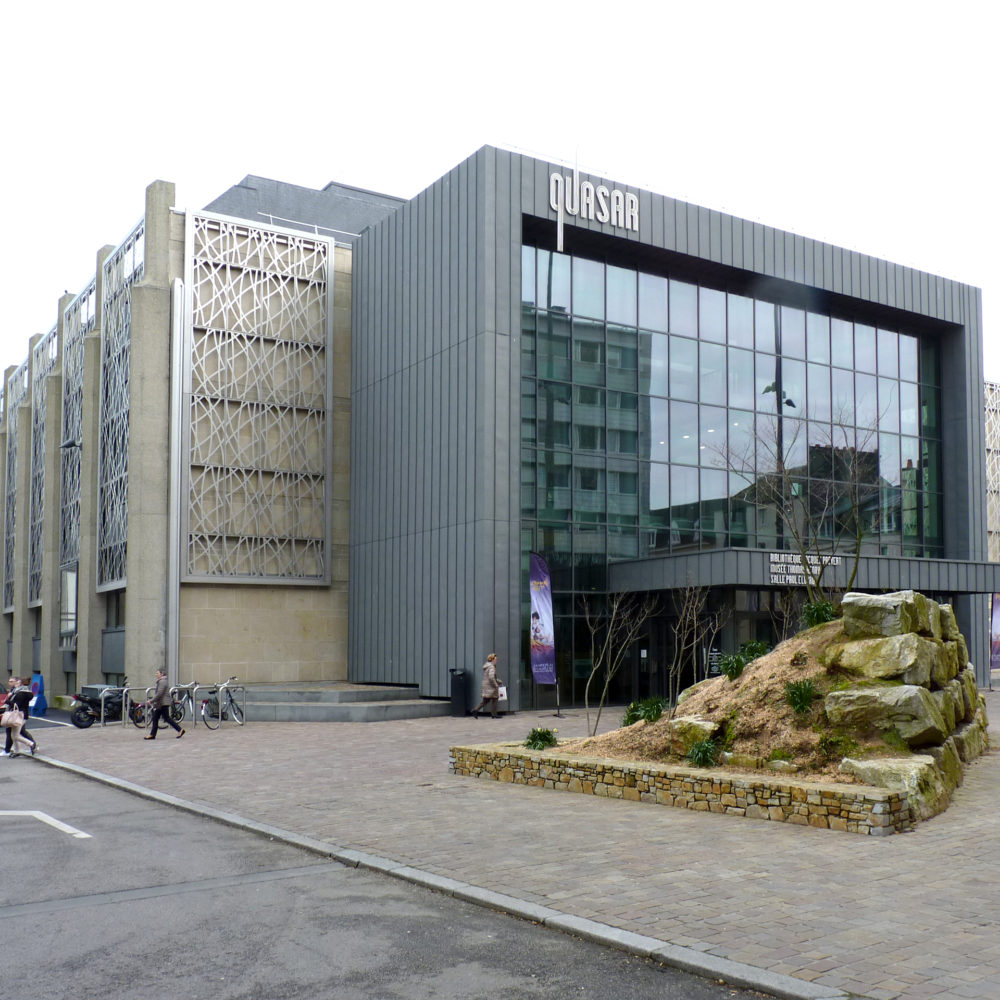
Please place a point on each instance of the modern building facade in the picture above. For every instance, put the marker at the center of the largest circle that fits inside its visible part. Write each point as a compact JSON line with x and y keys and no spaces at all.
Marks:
{"x":315,"y":435}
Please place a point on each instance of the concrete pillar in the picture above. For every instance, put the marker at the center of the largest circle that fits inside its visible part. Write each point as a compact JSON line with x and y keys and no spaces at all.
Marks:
{"x":24,"y":627}
{"x":50,"y":659}
{"x":90,"y":604}
{"x":146,"y":566}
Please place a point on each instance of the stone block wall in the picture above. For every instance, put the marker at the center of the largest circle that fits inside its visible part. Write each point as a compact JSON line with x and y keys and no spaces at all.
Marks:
{"x":850,"y":808}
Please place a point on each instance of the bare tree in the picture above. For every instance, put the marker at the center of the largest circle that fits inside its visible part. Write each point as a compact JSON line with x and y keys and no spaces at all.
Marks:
{"x":613,"y":630}
{"x":822,"y":495}
{"x":696,"y":627}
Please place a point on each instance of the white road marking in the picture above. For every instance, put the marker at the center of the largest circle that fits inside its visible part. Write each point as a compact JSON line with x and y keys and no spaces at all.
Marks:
{"x":46,"y":818}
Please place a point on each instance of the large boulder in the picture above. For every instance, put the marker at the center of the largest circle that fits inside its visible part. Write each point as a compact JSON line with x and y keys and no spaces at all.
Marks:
{"x":686,"y":730}
{"x":949,"y":623}
{"x":970,"y":740}
{"x":970,"y":693}
{"x":907,"y":708}
{"x":873,"y":615}
{"x":909,"y":658}
{"x":949,"y":762}
{"x":919,"y":776}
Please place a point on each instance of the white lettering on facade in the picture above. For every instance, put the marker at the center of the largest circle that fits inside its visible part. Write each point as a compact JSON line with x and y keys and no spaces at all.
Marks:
{"x":570,"y":196}
{"x":786,"y":568}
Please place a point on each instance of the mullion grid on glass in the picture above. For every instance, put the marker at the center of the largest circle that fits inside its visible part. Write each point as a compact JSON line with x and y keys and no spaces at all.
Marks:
{"x":17,"y":391}
{"x":44,"y":358}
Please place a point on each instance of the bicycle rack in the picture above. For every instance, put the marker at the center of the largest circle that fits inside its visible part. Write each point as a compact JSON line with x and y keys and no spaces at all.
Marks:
{"x":191,"y":689}
{"x":242,"y":706}
{"x":104,"y":695}
{"x":198,"y":700}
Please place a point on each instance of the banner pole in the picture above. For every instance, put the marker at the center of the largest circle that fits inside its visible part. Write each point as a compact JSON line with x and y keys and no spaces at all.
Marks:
{"x":558,"y":715}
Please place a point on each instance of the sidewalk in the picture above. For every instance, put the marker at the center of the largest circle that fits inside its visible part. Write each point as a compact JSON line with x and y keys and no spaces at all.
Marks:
{"x":790,"y":910}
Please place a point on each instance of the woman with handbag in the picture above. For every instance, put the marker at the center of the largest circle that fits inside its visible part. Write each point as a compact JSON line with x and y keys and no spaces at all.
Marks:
{"x":491,"y":687}
{"x":15,"y":711}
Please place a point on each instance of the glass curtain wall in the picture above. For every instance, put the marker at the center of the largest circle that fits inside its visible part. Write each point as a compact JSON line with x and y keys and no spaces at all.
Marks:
{"x":654,"y":410}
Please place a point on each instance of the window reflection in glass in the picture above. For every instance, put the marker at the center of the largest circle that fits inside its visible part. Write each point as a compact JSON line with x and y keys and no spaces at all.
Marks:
{"x":928,"y":410}
{"x":528,"y":426}
{"x":712,"y":437}
{"x":553,"y":281}
{"x":763,"y":320}
{"x":793,"y":387}
{"x":683,"y":368}
{"x":866,"y":401}
{"x":683,"y":309}
{"x":741,"y":379}
{"x":623,"y":423}
{"x":683,"y":507}
{"x":653,"y":302}
{"x":528,"y":275}
{"x":622,"y":357}
{"x":888,"y":353}
{"x":553,"y":345}
{"x":712,"y":315}
{"x":658,"y":448}
{"x":623,"y":492}
{"x":684,"y":433}
{"x":842,"y":402}
{"x":864,"y":348}
{"x":842,"y":343}
{"x":589,"y":558}
{"x":655,"y":495}
{"x":713,"y":521}
{"x":588,"y":351}
{"x":818,"y":338}
{"x":740,"y":321}
{"x":528,"y":318}
{"x":589,"y":497}
{"x":766,"y":382}
{"x":909,"y":408}
{"x":623,"y":543}
{"x":888,"y":404}
{"x":888,"y":458}
{"x":554,"y":415}
{"x":588,"y":418}
{"x":528,"y":482}
{"x":793,"y":332}
{"x":588,"y":288}
{"x":740,"y":448}
{"x":712,"y":373}
{"x":621,"y":296}
{"x":653,"y":364}
{"x":908,"y":357}
{"x":555,"y":493}
{"x":819,"y":392}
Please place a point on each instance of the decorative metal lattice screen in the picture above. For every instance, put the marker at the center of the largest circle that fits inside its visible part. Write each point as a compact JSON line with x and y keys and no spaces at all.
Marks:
{"x":44,"y":357}
{"x":992,"y":408}
{"x":78,"y":321}
{"x":17,"y":390}
{"x":121,"y":271}
{"x":258,"y":385}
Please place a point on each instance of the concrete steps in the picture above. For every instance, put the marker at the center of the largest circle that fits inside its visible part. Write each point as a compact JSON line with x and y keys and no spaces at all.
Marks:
{"x":338,"y":702}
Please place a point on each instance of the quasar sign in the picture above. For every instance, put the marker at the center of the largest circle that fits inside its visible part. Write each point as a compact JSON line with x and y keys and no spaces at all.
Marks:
{"x":594,"y":202}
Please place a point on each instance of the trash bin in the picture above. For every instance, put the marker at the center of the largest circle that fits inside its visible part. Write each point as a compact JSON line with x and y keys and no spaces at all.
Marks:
{"x":39,"y":706}
{"x":458,"y":703}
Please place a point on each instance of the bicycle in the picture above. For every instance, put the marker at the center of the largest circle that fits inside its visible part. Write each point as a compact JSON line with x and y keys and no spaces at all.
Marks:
{"x":220,"y":705}
{"x":183,"y":701}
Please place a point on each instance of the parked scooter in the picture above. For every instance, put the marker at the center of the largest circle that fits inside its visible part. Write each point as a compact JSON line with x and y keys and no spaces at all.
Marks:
{"x":86,"y":709}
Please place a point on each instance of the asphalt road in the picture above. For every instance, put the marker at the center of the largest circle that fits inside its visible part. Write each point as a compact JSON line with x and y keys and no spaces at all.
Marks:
{"x":134,"y":899}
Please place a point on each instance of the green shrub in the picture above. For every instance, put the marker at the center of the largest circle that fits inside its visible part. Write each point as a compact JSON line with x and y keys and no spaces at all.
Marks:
{"x":752,"y":649}
{"x":800,"y":695}
{"x":702,"y":753}
{"x":541,"y":739}
{"x":818,"y":612}
{"x":649,"y":709}
{"x":894,"y":741}
{"x":833,"y":745}
{"x":780,"y":753}
{"x":731,"y":664}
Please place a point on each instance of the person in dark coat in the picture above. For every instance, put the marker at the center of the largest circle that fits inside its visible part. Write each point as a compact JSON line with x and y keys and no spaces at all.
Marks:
{"x":490,"y":689}
{"x":19,"y":697}
{"x":160,"y":705}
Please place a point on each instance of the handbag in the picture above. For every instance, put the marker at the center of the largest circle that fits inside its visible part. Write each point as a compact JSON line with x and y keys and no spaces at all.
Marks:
{"x":503,"y":693}
{"x":12,"y":718}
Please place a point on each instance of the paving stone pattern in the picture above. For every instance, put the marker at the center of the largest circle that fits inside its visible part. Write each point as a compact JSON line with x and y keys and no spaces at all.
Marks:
{"x":909,"y":916}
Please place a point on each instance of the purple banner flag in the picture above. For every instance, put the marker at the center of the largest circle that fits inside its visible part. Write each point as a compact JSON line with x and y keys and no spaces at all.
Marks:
{"x":540,"y":630}
{"x":995,"y":634}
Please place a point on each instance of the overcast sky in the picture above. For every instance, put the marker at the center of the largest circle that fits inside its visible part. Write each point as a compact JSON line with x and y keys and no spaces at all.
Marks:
{"x":868,"y":125}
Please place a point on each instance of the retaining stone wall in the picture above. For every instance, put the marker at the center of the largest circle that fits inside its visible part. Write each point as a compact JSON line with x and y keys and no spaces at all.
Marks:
{"x":852,"y":808}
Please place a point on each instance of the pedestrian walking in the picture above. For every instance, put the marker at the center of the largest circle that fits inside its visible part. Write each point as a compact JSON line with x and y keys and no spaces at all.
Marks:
{"x":160,"y":705}
{"x":491,"y":688}
{"x":18,"y":701}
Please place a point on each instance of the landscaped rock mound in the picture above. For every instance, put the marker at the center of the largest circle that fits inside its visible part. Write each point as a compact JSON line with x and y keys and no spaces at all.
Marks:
{"x":897,"y":706}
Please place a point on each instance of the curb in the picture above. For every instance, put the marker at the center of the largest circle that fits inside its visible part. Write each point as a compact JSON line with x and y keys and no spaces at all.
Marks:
{"x":699,"y":963}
